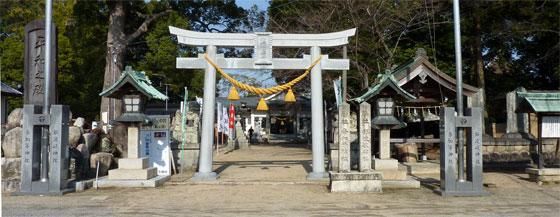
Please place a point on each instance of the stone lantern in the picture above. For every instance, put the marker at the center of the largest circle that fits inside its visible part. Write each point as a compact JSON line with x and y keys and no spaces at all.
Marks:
{"x":385,"y":121}
{"x":134,"y":89}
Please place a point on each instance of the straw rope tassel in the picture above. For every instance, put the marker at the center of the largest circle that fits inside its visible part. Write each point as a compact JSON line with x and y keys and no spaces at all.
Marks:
{"x":290,"y":97}
{"x":233,"y":94}
{"x":262,"y":105}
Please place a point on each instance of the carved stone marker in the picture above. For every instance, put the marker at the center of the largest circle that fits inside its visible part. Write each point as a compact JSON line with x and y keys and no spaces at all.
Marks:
{"x":450,"y":185}
{"x":517,"y":123}
{"x":365,"y":137}
{"x":345,"y":180}
{"x":344,"y":138}
{"x":33,"y":121}
{"x":34,"y":66}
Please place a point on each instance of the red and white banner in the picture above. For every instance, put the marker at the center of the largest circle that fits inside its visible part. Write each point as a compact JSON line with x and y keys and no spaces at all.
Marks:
{"x":231,"y":116}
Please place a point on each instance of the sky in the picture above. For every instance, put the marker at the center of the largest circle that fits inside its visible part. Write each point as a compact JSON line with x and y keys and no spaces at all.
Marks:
{"x":261,"y":4}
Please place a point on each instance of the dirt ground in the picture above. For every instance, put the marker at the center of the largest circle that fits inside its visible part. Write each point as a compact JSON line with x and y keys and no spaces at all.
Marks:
{"x":270,"y":181}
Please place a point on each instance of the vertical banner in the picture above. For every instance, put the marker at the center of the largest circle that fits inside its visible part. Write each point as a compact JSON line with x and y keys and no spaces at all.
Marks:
{"x":225,"y":121}
{"x":231,"y":116}
{"x":337,"y":91}
{"x":219,"y":117}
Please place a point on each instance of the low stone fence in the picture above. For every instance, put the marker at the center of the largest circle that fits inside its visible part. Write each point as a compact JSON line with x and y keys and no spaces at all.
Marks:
{"x":502,"y":150}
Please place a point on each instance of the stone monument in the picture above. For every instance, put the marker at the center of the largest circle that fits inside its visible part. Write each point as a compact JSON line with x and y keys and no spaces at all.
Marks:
{"x":365,"y":137}
{"x":34,"y":66}
{"x":517,"y":123}
{"x":187,"y":156}
{"x":240,"y":138}
{"x":345,"y":180}
{"x":37,"y":176}
{"x":44,"y":157}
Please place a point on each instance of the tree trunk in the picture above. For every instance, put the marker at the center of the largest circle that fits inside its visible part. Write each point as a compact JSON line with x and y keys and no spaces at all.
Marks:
{"x":479,"y":63}
{"x":116,"y":47}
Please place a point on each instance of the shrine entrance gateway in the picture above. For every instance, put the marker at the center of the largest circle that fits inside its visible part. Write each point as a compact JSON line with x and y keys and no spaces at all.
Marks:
{"x":262,"y":42}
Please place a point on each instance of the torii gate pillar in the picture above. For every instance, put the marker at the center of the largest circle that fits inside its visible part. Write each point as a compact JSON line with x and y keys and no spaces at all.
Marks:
{"x":205,"y":172}
{"x":317,"y":132}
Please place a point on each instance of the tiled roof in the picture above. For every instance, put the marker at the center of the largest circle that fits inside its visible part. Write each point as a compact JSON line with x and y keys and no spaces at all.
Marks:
{"x":139,"y":80}
{"x":540,"y":101}
{"x":385,"y":80}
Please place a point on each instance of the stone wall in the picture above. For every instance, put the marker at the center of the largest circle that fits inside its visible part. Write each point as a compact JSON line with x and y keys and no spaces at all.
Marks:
{"x":519,"y":150}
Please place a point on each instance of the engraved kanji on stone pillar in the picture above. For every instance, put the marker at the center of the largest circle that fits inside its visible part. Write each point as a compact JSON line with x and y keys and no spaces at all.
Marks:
{"x":365,"y":137}
{"x":344,"y":138}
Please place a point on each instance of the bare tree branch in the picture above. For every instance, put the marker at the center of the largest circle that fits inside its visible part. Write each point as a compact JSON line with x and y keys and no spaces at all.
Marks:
{"x":143,"y":28}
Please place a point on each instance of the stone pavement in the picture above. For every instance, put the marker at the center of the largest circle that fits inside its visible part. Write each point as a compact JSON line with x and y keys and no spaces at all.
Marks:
{"x":248,"y":188}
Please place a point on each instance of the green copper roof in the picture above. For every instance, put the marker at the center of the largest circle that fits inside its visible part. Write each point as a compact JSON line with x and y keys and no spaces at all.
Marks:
{"x":385,"y":80}
{"x":138,"y":80}
{"x":540,"y":102}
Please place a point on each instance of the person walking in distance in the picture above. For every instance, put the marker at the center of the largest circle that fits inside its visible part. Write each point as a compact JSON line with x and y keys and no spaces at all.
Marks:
{"x":251,"y":134}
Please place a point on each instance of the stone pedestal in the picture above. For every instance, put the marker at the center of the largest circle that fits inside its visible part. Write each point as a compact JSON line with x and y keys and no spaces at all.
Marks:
{"x":393,"y":176}
{"x":356,"y":182}
{"x":133,"y":171}
{"x":134,"y":167}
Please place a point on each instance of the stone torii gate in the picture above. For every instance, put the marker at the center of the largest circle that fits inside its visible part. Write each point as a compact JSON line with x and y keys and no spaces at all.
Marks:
{"x":262,"y":42}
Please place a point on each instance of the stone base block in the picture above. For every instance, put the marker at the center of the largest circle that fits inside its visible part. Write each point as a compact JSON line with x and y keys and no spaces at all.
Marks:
{"x":242,"y":144}
{"x":133,"y":163}
{"x":122,"y":174}
{"x":150,"y":183}
{"x":401,"y":184}
{"x":356,"y":182}
{"x":544,"y":175}
{"x":205,"y":177}
{"x":544,"y":172}
{"x":385,"y":164}
{"x":394,"y":174}
{"x":422,"y":168}
{"x":318,"y":176}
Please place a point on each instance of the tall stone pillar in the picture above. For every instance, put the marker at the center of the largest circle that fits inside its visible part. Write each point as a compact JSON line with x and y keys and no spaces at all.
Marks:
{"x":517,"y":123}
{"x":318,"y":134}
{"x":344,"y":138}
{"x":207,"y":138}
{"x":365,"y":137}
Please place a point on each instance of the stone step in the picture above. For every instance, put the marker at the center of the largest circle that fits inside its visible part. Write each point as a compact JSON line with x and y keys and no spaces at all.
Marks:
{"x":394,"y":174}
{"x":132,"y":174}
{"x":385,"y":164}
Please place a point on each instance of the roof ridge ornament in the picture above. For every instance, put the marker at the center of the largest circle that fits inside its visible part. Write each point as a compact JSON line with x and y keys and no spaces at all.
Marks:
{"x":421,"y":52}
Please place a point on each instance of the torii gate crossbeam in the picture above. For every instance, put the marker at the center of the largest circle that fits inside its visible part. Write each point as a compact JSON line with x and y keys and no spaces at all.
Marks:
{"x":262,"y":42}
